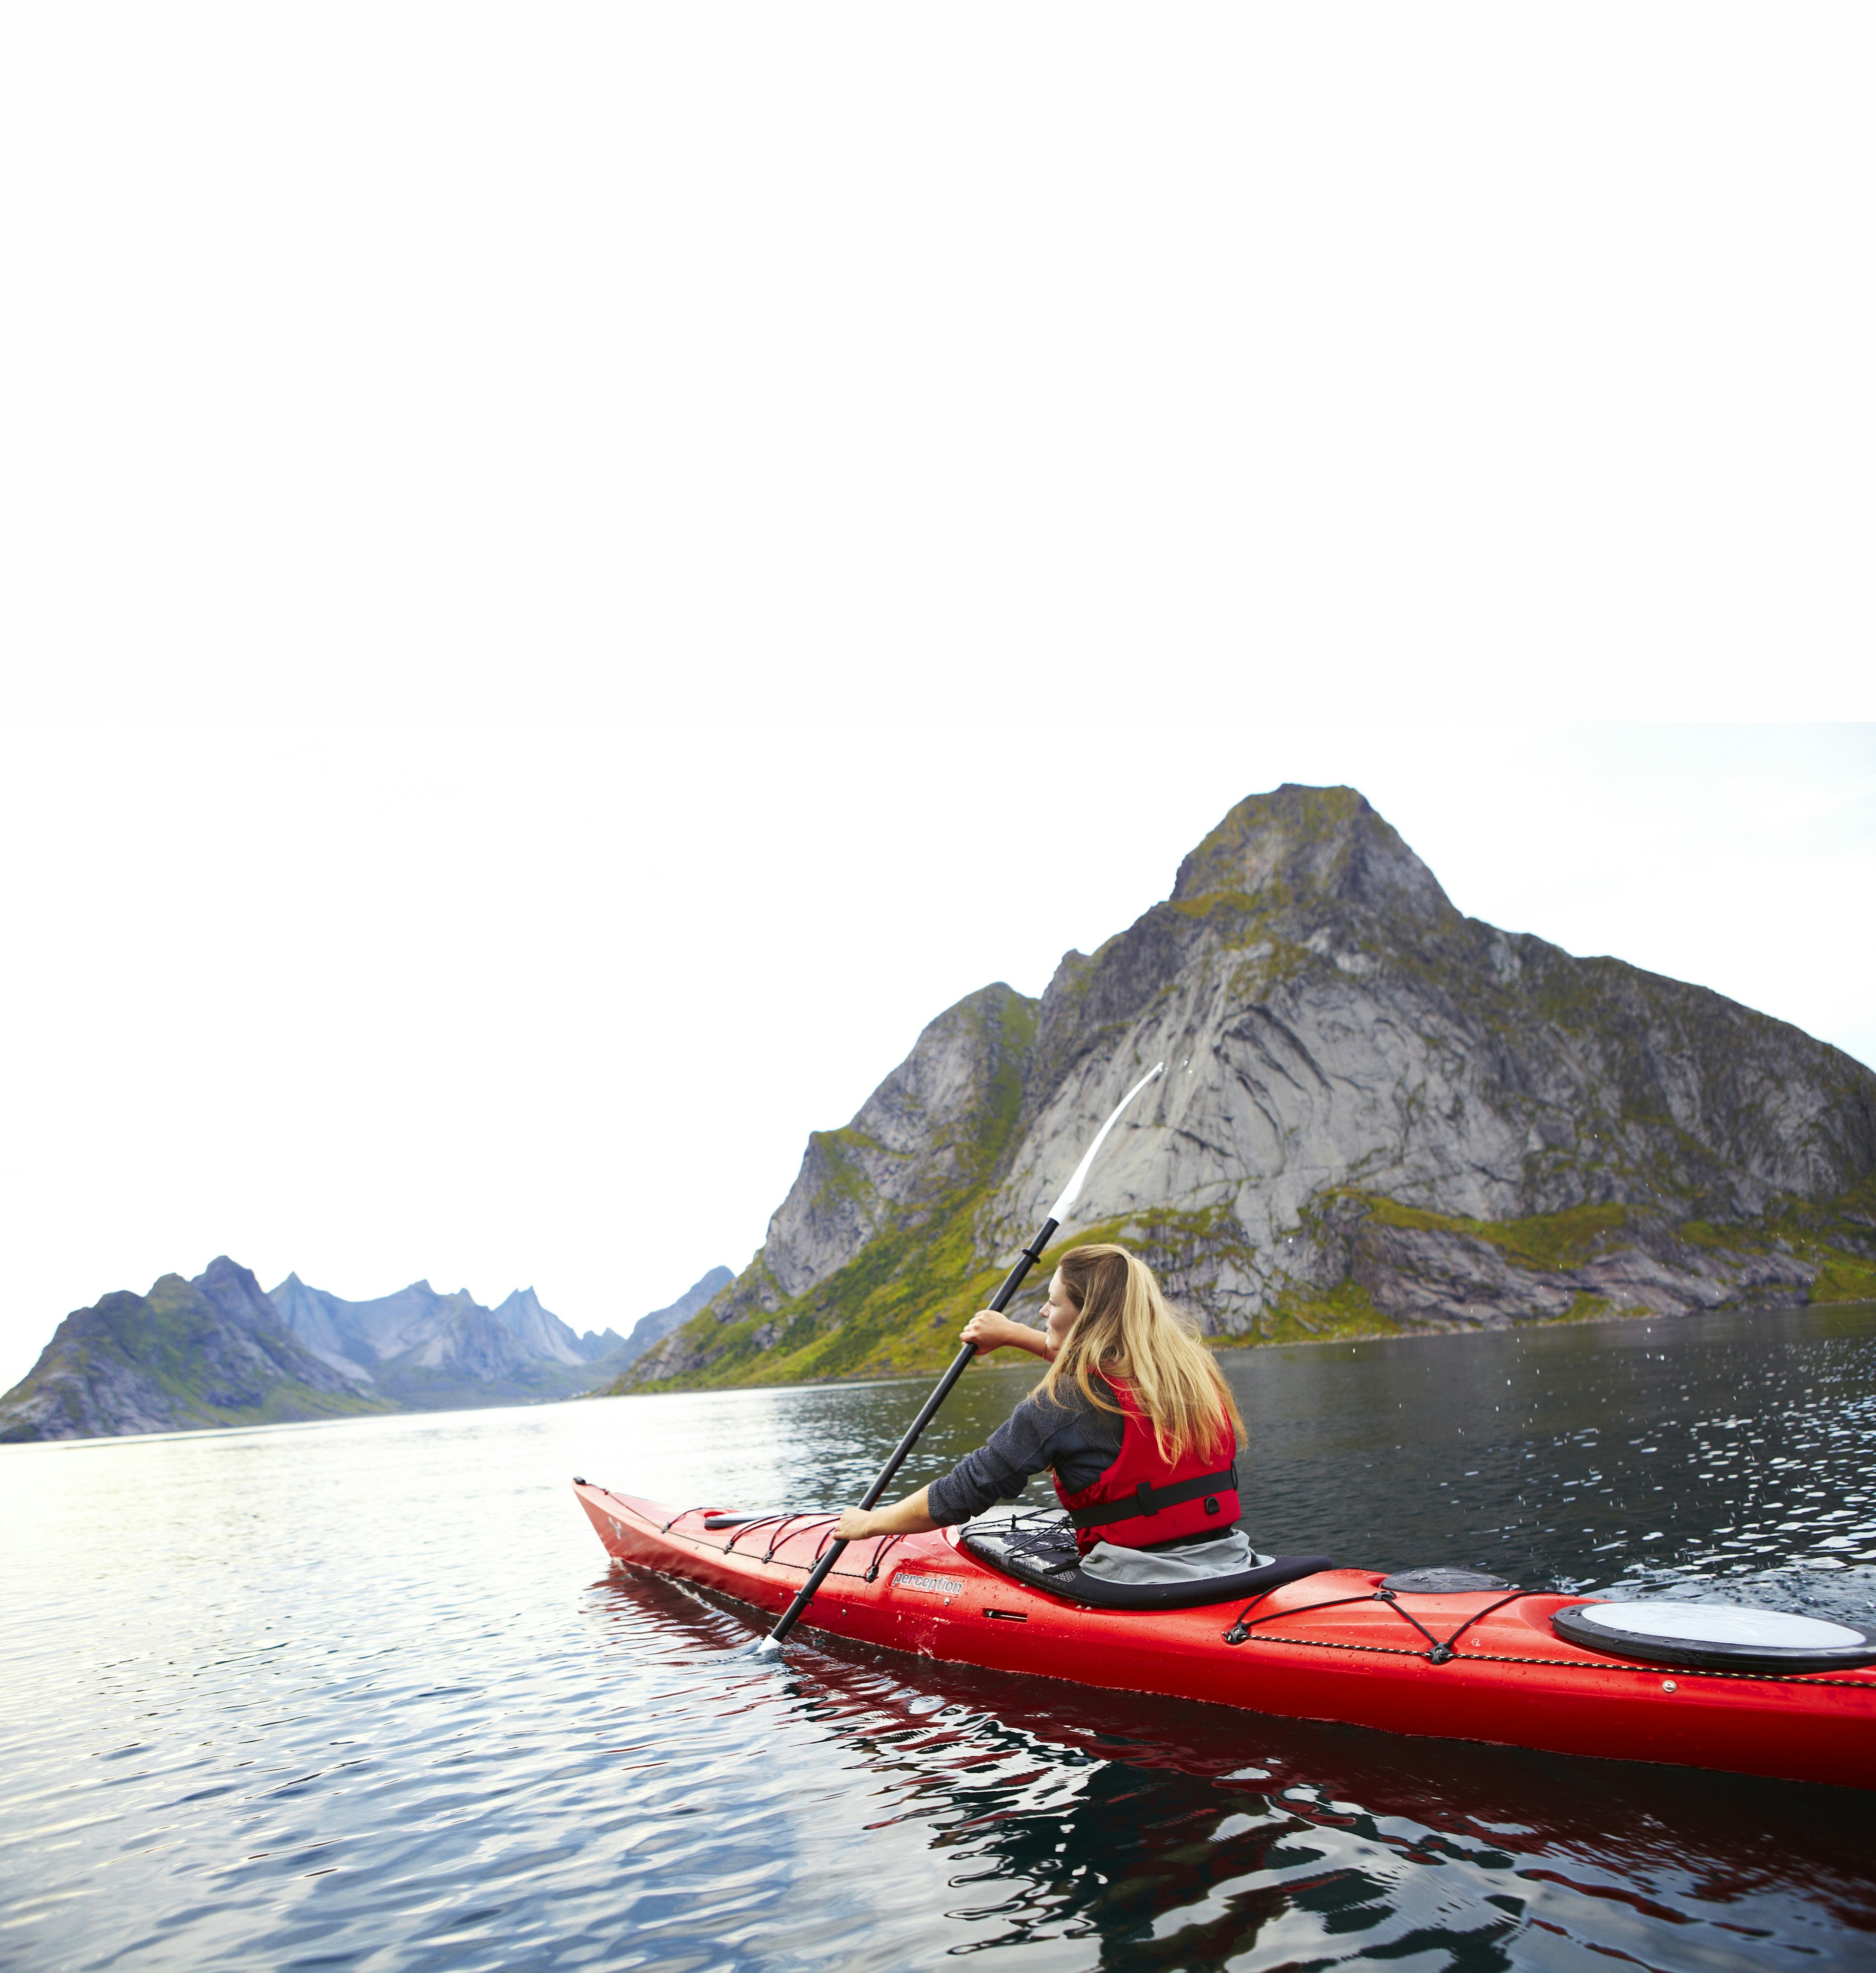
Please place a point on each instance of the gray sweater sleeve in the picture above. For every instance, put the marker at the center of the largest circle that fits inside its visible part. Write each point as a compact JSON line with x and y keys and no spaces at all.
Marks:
{"x":1080,"y":1441}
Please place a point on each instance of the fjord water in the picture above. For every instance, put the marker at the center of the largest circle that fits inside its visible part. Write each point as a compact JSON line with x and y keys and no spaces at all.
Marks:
{"x":366,"y":1694}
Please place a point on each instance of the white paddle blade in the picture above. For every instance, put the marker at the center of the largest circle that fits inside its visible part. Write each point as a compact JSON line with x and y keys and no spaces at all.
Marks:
{"x":1072,"y":1190}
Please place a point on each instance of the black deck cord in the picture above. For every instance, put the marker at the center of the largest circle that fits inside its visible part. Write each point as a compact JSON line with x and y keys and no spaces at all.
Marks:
{"x":1440,"y":1653}
{"x":775,"y":1541}
{"x":1042,"y":1568}
{"x":775,"y":1534}
{"x":682,"y":1511}
{"x":1067,"y":1566}
{"x":749,"y":1527}
{"x":1240,"y":1630}
{"x":763,"y":1520}
{"x":1510,"y":1596}
{"x":1030,"y":1547}
{"x":879,"y":1549}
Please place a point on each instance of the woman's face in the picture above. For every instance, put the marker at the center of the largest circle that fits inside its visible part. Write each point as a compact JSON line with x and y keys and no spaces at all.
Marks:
{"x":1058,"y":1312}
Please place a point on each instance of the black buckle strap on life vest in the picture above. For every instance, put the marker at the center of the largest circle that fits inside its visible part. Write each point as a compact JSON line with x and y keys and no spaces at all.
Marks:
{"x":1149,"y":1499}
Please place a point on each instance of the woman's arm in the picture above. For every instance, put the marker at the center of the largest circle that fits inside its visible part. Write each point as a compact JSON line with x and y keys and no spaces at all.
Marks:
{"x":1022,"y":1445}
{"x":989,"y":1331}
{"x":908,"y":1517}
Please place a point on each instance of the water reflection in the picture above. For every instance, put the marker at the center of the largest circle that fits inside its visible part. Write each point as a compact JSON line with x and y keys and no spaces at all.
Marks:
{"x":1157,"y":1833}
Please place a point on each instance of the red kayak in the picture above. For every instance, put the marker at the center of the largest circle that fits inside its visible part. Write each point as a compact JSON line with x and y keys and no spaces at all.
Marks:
{"x":1424,"y":1653}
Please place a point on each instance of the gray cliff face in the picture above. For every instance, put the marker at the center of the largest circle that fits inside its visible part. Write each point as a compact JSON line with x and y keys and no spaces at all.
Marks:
{"x":1425,"y":1277}
{"x":926,"y":1135}
{"x":213,"y":1351}
{"x":656,"y":1327}
{"x":914,"y":1141}
{"x":1329,"y":1021}
{"x":1349,"y":1060}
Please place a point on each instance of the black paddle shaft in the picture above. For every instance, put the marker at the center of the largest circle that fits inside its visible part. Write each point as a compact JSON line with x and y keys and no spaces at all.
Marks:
{"x":1000,"y":1301}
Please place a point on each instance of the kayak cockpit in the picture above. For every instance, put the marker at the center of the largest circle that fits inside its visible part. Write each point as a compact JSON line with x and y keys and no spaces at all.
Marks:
{"x":1038,"y":1550}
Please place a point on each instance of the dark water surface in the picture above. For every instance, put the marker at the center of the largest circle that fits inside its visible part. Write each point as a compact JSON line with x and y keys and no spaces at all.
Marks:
{"x":366,"y":1695}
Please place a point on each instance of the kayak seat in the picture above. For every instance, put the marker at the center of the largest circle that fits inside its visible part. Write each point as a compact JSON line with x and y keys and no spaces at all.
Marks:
{"x":1039,"y":1550}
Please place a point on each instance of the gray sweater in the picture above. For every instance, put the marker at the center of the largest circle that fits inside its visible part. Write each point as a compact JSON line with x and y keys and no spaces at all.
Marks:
{"x":1076,"y":1438}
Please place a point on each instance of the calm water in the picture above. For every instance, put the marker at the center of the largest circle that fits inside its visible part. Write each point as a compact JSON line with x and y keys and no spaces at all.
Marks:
{"x":365,"y":1695}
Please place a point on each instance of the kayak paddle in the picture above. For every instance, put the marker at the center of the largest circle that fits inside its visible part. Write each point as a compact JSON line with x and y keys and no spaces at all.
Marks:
{"x":1000,"y":1301}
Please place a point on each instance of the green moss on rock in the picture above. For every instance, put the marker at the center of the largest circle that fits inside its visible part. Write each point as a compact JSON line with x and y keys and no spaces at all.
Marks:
{"x":1550,"y":1242}
{"x":1337,"y":1314}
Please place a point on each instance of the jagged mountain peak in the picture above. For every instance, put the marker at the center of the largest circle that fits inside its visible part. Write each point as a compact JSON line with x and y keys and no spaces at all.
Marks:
{"x":539,"y":1331}
{"x":1300,"y":844}
{"x":234,"y":1290}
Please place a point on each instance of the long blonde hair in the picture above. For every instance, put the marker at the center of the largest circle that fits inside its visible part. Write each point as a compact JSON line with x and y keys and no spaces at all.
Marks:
{"x":1124,"y":1326}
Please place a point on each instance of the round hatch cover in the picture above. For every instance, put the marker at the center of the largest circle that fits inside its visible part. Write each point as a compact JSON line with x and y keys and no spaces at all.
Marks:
{"x":1727,"y":1637}
{"x":1440,"y":1581}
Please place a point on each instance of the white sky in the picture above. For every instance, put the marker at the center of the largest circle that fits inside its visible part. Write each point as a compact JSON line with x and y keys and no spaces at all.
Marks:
{"x":504,"y":1006}
{"x":402,"y":407}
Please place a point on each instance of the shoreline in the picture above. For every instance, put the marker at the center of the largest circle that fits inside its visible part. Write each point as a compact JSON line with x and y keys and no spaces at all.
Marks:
{"x":1603,"y":1317}
{"x":878,"y":1379}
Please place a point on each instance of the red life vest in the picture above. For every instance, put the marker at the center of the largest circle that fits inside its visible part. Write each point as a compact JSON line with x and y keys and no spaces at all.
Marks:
{"x":1143,"y":1500}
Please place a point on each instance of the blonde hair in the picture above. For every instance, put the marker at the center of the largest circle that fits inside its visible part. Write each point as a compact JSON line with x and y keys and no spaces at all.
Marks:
{"x":1124,"y":1326}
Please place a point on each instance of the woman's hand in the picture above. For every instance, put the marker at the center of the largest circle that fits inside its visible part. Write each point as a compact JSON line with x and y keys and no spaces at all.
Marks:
{"x":987,"y":1330}
{"x":908,"y":1516}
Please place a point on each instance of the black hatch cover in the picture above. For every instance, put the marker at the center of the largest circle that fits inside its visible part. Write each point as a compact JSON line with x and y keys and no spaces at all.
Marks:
{"x":1722,"y":1637}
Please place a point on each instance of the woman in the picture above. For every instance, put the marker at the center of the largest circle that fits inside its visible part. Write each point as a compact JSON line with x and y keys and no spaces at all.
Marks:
{"x":1133,"y":1420}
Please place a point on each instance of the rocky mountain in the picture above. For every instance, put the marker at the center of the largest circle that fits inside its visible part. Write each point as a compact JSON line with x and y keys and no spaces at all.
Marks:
{"x":1378,"y":1115}
{"x":212,"y":1351}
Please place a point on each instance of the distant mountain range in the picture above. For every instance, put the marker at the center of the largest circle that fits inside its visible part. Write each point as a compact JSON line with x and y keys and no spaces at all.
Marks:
{"x":430,"y":1352}
{"x":217,"y":1351}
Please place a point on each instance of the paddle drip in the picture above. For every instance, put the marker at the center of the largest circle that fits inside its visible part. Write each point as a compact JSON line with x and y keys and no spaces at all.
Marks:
{"x":1031,"y":1255}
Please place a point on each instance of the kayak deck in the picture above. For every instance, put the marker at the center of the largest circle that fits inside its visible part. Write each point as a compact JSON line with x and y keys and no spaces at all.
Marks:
{"x":1476,"y":1665}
